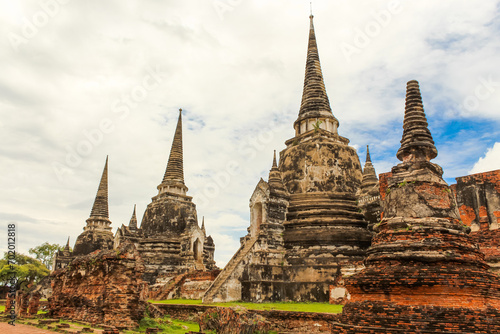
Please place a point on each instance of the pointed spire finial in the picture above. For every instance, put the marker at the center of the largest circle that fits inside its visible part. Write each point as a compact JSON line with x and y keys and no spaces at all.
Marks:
{"x":369,"y":175}
{"x":315,"y":103}
{"x":133,"y":220}
{"x":67,"y":245}
{"x":100,"y":207}
{"x":275,"y":180}
{"x":417,"y":142}
{"x":311,"y":6}
{"x":174,"y":173}
{"x":203,"y":222}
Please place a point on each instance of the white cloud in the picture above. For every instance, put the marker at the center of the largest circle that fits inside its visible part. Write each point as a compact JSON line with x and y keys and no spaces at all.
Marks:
{"x":490,"y":161}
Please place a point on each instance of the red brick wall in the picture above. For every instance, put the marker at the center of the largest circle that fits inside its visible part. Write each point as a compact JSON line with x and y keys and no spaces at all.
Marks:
{"x":478,"y":198}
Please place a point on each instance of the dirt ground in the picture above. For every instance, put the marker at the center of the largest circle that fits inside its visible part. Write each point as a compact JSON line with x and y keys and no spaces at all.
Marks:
{"x":5,"y":328}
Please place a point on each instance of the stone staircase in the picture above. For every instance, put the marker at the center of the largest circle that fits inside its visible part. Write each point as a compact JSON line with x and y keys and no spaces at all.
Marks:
{"x":228,"y":270}
{"x":169,"y":287}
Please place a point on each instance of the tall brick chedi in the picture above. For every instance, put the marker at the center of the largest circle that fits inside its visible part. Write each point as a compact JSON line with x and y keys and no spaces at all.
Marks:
{"x":305,"y":232}
{"x":423,"y":273}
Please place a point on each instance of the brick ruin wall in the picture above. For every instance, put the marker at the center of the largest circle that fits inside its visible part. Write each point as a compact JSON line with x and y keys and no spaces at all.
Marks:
{"x":478,"y":199}
{"x":189,"y":285}
{"x":419,"y":318}
{"x":104,"y":287}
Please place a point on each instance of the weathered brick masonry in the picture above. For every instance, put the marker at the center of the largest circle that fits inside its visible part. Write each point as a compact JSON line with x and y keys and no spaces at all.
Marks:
{"x":104,"y":287}
{"x":478,"y":199}
{"x":306,"y":230}
{"x":423,"y":272}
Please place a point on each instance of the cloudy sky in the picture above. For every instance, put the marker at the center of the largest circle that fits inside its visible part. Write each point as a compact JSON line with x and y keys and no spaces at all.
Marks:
{"x":84,"y":79}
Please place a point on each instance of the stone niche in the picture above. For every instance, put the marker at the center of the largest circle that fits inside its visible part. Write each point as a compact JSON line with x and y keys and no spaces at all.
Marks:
{"x":104,"y":287}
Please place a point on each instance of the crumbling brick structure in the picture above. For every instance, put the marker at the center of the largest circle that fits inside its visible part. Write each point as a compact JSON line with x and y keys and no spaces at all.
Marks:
{"x":423,"y":272}
{"x":97,"y":233}
{"x":478,"y":199}
{"x":104,"y":287}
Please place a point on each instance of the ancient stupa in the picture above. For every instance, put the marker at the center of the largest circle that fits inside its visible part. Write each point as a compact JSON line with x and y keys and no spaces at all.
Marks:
{"x":423,"y":273}
{"x":97,"y":233}
{"x":306,"y":232}
{"x":170,"y":241}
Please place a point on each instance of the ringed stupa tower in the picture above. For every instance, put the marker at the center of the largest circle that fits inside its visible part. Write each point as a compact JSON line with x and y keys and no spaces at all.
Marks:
{"x":306,"y":232}
{"x":325,"y":236}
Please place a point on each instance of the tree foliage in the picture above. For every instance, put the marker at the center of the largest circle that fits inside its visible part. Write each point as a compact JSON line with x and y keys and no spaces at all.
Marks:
{"x":45,"y":253}
{"x":21,"y":269}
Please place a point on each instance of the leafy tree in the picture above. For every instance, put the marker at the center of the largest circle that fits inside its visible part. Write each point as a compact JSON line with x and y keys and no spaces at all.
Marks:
{"x":45,"y":253}
{"x":23,"y":269}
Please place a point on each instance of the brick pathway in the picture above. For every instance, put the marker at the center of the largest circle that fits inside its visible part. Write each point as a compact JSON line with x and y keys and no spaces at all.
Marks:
{"x":5,"y":328}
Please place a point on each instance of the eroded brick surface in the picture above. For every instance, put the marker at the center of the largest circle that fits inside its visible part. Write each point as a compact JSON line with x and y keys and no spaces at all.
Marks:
{"x":424,"y":274}
{"x":102,"y":287}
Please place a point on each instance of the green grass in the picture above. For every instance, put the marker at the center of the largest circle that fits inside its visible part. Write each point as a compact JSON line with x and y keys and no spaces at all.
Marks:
{"x":167,"y":325}
{"x":291,"y":306}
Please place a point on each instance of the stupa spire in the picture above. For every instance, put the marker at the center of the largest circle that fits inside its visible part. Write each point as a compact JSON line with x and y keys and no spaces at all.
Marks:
{"x":133,"y":221}
{"x":275,"y":180}
{"x":315,"y":103}
{"x":369,"y":175}
{"x":417,"y":142}
{"x":66,"y":248}
{"x":173,"y":180}
{"x":368,"y":158}
{"x":175,"y":166}
{"x":100,"y":207}
{"x":203,"y":223}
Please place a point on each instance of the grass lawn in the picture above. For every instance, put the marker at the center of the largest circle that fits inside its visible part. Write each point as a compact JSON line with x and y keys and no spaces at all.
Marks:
{"x":291,"y":306}
{"x":167,"y":325}
{"x":2,"y":308}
